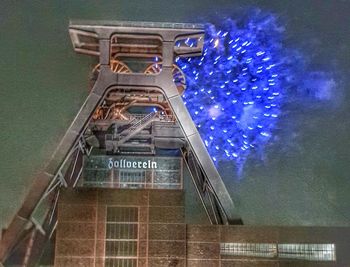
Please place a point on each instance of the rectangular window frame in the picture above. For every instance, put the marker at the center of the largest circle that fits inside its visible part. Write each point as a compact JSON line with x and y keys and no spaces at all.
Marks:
{"x":307,"y":251}
{"x":122,"y":259}
{"x":261,"y":250}
{"x":322,"y":252}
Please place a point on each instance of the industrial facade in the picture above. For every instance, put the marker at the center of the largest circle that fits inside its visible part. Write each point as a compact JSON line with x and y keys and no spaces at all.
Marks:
{"x":113,"y":192}
{"x":158,"y":235}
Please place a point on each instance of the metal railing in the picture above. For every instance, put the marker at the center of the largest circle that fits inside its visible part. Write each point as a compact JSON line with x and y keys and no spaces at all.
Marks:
{"x":209,"y":199}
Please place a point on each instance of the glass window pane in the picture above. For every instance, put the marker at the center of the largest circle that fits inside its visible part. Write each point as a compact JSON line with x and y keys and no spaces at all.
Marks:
{"x":121,"y":248}
{"x":121,"y":231}
{"x":121,"y":236}
{"x":120,"y":263}
{"x":312,"y":252}
{"x":122,"y":214}
{"x":266,"y":250}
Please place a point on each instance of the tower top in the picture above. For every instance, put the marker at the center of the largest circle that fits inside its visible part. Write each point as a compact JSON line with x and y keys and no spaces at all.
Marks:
{"x":145,"y":38}
{"x":134,"y":24}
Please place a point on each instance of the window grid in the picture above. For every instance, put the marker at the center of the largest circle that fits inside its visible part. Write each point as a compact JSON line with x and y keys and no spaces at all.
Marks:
{"x":249,"y":249}
{"x":132,"y":179}
{"x":162,"y":179}
{"x":310,"y":252}
{"x":121,"y":237}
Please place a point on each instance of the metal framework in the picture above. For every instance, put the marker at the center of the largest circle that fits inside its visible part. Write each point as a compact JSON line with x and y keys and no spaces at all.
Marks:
{"x":135,"y":69}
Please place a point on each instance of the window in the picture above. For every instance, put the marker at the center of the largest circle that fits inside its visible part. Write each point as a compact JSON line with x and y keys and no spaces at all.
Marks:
{"x":310,"y":252}
{"x":249,"y":249}
{"x":121,"y":237}
{"x":132,"y":179}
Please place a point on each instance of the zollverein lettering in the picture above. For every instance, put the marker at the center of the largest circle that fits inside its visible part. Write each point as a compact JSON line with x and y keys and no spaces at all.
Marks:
{"x":128,"y":164}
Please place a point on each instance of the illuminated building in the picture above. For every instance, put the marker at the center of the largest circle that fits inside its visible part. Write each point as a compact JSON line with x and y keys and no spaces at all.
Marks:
{"x":112,"y":194}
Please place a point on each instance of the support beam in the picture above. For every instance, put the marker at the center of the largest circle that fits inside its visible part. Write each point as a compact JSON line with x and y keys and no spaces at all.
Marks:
{"x":99,"y":35}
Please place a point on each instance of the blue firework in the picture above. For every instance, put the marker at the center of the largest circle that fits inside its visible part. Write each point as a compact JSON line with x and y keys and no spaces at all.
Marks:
{"x":236,"y":90}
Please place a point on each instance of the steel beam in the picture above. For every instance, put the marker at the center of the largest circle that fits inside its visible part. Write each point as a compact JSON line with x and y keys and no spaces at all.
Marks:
{"x":169,"y":33}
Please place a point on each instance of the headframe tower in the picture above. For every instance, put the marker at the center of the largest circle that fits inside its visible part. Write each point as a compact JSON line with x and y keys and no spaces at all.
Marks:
{"x":135,"y":71}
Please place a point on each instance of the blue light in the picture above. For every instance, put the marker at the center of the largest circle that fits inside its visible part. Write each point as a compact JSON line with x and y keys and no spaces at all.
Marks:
{"x":246,"y":71}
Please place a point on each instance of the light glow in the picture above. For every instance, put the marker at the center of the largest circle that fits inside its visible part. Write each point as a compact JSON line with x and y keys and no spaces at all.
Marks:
{"x":247,"y":72}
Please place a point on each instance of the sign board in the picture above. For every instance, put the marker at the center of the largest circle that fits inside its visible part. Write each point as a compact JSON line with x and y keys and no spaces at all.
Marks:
{"x":132,"y":172}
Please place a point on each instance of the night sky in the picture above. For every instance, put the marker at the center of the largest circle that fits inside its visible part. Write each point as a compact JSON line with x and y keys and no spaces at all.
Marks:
{"x":304,"y":175}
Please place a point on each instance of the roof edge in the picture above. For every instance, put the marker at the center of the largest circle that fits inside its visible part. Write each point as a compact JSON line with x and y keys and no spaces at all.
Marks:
{"x":136,"y":24}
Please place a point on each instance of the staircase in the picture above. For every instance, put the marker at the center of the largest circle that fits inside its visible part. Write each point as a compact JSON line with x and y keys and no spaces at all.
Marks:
{"x":139,"y":134}
{"x":137,"y":126}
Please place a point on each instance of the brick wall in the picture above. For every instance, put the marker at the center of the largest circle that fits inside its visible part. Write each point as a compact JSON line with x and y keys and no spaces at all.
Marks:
{"x":80,"y":238}
{"x":165,"y":240}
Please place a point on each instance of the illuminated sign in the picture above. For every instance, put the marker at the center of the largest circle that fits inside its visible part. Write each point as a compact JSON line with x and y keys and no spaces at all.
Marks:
{"x":131,"y":164}
{"x":109,"y":171}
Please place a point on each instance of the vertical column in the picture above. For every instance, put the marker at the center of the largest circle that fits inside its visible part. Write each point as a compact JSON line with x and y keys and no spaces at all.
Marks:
{"x":203,"y":247}
{"x":168,"y":54}
{"x":143,"y":232}
{"x":166,"y":229}
{"x":76,"y":229}
{"x":104,"y":51}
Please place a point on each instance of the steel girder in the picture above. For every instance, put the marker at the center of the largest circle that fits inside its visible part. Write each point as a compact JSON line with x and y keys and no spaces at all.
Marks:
{"x":52,"y":176}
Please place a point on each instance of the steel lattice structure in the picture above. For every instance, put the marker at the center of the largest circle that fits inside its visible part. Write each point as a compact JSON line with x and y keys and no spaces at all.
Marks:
{"x":154,"y":81}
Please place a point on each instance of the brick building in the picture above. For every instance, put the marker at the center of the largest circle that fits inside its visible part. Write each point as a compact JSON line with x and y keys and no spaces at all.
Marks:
{"x":112,"y":194}
{"x":145,"y":227}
